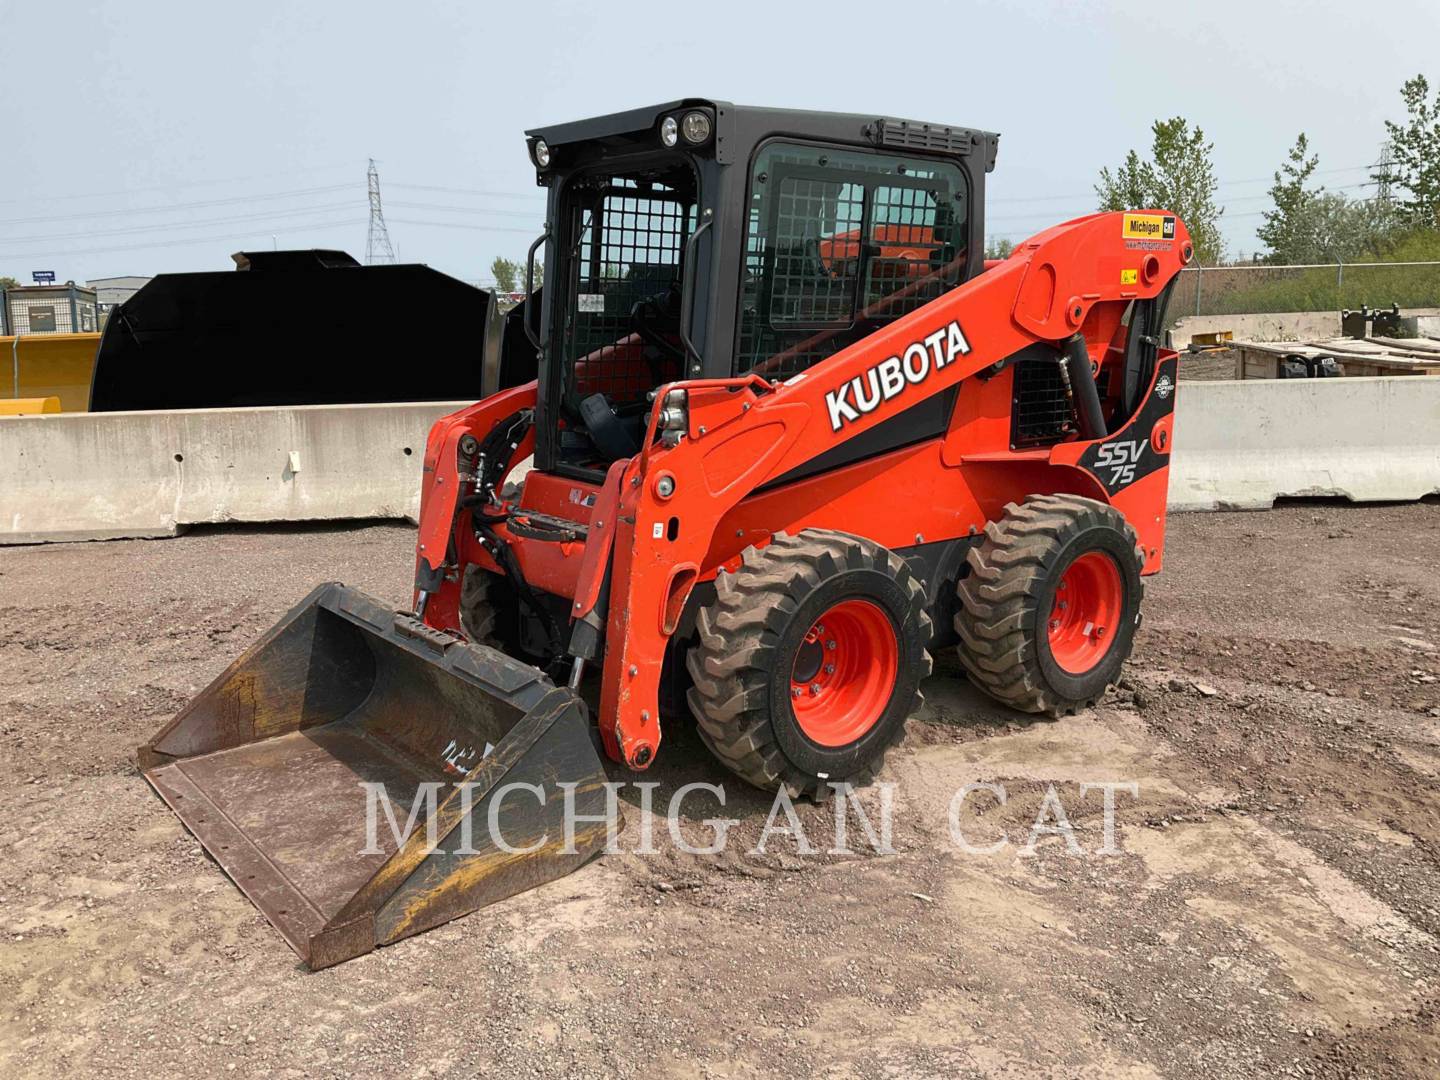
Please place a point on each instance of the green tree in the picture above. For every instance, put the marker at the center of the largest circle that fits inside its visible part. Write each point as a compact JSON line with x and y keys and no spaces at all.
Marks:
{"x":1290,"y":229}
{"x":1179,"y":176}
{"x":1130,"y":187}
{"x":509,"y":275}
{"x":1354,"y":228}
{"x":7,"y":282}
{"x":999,"y":248}
{"x":1415,"y":154}
{"x":1312,"y":225}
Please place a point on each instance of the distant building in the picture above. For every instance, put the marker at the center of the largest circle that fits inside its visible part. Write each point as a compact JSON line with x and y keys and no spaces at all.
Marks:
{"x":110,"y":291}
{"x":49,"y":309}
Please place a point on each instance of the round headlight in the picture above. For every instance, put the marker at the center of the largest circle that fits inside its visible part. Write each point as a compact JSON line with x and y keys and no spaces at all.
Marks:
{"x":695,"y":127}
{"x":669,"y":131}
{"x":542,"y":154}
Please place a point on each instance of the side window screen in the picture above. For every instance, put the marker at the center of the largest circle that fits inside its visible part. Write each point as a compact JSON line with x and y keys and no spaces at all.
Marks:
{"x":621,"y":313}
{"x":839,"y":243}
{"x":814,"y":264}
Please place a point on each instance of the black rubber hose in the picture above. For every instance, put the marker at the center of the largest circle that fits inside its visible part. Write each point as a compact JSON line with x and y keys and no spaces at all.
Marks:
{"x":1082,"y":382}
{"x":502,"y":554}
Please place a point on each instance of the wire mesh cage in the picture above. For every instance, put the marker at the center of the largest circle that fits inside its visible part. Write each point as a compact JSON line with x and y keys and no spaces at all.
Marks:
{"x":839,"y":243}
{"x":620,"y":338}
{"x":59,"y":309}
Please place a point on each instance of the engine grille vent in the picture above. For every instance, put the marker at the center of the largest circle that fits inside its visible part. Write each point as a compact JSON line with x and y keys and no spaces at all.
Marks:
{"x":1042,"y":414}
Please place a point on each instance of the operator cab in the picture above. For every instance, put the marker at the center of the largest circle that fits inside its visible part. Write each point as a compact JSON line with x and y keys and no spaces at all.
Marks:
{"x":700,"y":239}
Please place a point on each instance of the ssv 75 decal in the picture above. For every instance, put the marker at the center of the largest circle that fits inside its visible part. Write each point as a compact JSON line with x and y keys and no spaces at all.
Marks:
{"x":883,"y":381}
{"x":1120,"y":459}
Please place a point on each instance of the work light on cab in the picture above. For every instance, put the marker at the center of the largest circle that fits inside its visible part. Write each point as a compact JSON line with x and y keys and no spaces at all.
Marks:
{"x":695,"y":127}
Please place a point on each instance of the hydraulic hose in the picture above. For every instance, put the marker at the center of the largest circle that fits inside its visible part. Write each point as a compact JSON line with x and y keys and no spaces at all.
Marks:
{"x":1082,"y":382}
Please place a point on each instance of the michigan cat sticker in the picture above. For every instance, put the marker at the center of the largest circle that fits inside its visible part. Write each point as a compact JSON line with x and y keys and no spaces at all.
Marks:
{"x":1148,"y":227}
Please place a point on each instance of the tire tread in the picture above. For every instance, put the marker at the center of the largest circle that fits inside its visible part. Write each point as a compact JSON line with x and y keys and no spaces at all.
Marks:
{"x":1000,"y":595}
{"x":738,"y":638}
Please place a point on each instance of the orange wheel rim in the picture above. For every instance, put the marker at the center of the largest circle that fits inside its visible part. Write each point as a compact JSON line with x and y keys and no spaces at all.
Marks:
{"x":844,"y":673}
{"x":1089,"y":600}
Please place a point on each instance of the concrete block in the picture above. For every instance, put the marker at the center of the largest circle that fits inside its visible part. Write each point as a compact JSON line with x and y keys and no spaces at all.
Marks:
{"x":87,"y":476}
{"x":1241,"y":445}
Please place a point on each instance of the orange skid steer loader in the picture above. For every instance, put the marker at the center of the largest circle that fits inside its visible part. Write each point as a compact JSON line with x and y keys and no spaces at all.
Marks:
{"x":791,"y":434}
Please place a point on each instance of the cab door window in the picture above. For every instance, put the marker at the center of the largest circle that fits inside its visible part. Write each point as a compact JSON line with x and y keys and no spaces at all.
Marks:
{"x":838,"y":243}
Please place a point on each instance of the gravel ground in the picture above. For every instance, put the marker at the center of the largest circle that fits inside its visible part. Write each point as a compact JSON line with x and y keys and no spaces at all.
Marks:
{"x":1273,"y":909}
{"x":1207,"y":366}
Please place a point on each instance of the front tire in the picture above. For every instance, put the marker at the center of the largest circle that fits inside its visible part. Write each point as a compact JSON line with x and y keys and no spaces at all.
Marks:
{"x":479,"y":612}
{"x":809,"y":661}
{"x":1049,"y":608}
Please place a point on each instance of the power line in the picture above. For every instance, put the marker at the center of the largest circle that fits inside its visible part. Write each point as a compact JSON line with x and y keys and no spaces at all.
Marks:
{"x":472,"y":228}
{"x":171,"y":226}
{"x":1221,"y":184}
{"x":533,"y":215}
{"x":295,"y":227}
{"x":537,"y":193}
{"x":1045,"y":215}
{"x":212,"y":182}
{"x":183,"y":206}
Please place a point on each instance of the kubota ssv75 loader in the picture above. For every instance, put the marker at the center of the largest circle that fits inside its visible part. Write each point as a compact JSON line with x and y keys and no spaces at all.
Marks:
{"x":791,"y":434}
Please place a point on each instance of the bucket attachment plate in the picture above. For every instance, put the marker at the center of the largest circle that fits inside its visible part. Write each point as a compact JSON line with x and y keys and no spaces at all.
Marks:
{"x":297,"y":767}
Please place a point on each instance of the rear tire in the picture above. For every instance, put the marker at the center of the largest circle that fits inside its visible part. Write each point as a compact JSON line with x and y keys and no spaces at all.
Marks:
{"x":809,"y":661}
{"x":1049,"y":608}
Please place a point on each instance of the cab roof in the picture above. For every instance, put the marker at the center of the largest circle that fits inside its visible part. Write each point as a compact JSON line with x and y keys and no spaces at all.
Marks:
{"x":737,"y":127}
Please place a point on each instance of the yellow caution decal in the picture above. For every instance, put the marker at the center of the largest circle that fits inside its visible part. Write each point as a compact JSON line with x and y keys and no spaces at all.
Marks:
{"x":1129,"y":277}
{"x":1148,"y":227}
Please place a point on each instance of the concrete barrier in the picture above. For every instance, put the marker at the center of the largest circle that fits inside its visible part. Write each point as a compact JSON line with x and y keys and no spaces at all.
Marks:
{"x":1241,"y":445}
{"x":88,"y":476}
{"x":1271,"y":326}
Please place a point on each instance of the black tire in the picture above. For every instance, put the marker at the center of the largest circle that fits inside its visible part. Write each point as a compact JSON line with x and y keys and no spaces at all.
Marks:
{"x":479,"y":616}
{"x":1007,"y":597}
{"x":491,"y":614}
{"x":748,"y":641}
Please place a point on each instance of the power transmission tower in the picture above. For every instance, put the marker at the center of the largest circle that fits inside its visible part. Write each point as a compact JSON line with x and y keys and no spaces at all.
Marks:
{"x":377,"y":241}
{"x":1383,"y":176}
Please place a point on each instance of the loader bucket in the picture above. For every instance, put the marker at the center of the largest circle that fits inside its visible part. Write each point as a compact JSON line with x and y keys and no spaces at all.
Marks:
{"x":269,"y":768}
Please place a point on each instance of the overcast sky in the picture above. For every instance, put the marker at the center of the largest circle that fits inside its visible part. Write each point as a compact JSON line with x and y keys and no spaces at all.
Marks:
{"x":142,"y":136}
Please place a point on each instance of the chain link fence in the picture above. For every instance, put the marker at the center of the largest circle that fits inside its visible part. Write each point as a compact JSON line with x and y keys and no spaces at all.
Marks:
{"x":1242,"y":290}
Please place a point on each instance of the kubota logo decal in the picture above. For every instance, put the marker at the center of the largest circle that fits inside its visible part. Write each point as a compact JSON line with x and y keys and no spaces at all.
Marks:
{"x":1120,"y":458}
{"x":881,"y":382}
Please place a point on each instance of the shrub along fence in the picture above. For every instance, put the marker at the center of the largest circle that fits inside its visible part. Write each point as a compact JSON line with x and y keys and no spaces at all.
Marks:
{"x":1236,"y":290}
